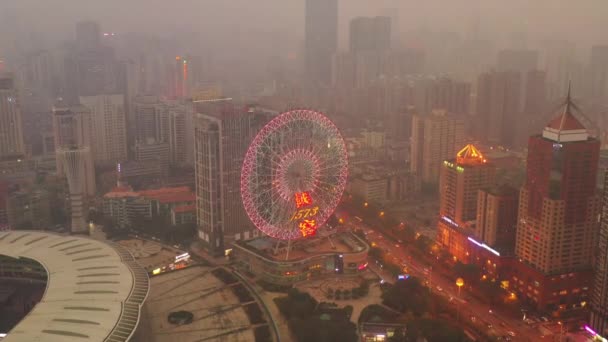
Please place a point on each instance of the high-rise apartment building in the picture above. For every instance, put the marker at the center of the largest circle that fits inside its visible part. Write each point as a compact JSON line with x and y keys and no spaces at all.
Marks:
{"x":72,"y":131}
{"x":599,"y":294}
{"x":435,"y":138}
{"x":153,"y":151}
{"x":91,"y":68}
{"x":11,"y":131}
{"x":461,"y":179}
{"x":147,"y":119}
{"x":223,"y":133}
{"x":442,"y":93}
{"x":180,"y":118}
{"x":165,"y":121}
{"x":370,"y":34}
{"x":321,"y":41}
{"x":558,"y":215}
{"x":497,"y":218}
{"x":109,"y":128}
{"x":498,"y":106}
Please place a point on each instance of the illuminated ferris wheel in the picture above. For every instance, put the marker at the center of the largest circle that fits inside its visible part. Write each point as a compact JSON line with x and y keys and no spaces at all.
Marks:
{"x":294,"y":174}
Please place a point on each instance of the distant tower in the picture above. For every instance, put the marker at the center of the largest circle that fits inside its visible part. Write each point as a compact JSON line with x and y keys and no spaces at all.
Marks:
{"x":321,"y":30}
{"x":74,"y":166}
{"x":72,"y":131}
{"x":498,"y":106}
{"x":11,"y":131}
{"x":435,"y":138}
{"x":370,"y":34}
{"x":109,"y":128}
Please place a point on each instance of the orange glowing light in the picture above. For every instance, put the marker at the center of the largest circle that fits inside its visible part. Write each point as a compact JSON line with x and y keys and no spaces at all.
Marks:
{"x":469,"y":155}
{"x":308,"y":227}
{"x":303,"y":199}
{"x":177,"y":58}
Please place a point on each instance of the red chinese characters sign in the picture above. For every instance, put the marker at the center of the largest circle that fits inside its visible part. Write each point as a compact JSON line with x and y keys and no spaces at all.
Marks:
{"x":308,"y":227}
{"x":302,"y":199}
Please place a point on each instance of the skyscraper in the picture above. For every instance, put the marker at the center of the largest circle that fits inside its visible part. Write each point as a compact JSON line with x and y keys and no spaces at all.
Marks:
{"x":11,"y":131}
{"x":599,"y":294}
{"x":497,"y":218}
{"x":498,"y":106}
{"x":223,"y":133}
{"x":558,"y":212}
{"x":72,"y":131}
{"x":370,"y":34}
{"x":91,"y":68}
{"x":321,"y":30}
{"x":461,"y":178}
{"x":442,"y":93}
{"x":435,"y":138}
{"x":109,"y":128}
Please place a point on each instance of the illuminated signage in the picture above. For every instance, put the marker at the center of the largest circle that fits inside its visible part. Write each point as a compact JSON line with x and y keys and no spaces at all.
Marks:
{"x":182,"y":257}
{"x":450,"y":221}
{"x":302,"y":199}
{"x":483,"y":245}
{"x":307,"y":226}
{"x":595,"y":334}
{"x":156,"y":271}
{"x":304,"y":213}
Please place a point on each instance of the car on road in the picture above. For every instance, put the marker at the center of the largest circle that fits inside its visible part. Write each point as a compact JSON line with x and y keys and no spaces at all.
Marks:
{"x":439,"y":288}
{"x":490,"y":326}
{"x":512,"y":334}
{"x":473,"y":319}
{"x":544,"y":319}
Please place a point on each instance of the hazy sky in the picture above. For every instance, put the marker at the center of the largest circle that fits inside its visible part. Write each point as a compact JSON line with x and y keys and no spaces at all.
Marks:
{"x":582,"y":20}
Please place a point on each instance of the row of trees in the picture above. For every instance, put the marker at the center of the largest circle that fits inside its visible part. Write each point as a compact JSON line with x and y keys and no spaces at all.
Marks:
{"x":356,"y":292}
{"x":311,"y":321}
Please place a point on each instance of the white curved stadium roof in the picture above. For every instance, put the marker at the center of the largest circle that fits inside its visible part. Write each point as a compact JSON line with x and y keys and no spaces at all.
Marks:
{"x":94,"y":289}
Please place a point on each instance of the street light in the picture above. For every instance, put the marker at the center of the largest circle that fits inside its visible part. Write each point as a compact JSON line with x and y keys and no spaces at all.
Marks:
{"x":459,"y":283}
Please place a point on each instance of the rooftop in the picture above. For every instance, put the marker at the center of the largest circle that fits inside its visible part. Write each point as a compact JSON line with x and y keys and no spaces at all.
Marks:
{"x":163,"y":195}
{"x":94,"y":290}
{"x":566,"y":127}
{"x":470,"y":155}
{"x":343,"y":242}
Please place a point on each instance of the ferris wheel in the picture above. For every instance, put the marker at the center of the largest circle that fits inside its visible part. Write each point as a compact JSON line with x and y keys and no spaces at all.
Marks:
{"x":294,"y":174}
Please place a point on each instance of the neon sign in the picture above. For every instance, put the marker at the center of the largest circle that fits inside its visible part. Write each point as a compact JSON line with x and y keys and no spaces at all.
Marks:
{"x":308,"y":227}
{"x":483,"y":245}
{"x":303,"y":213}
{"x":303,"y":199}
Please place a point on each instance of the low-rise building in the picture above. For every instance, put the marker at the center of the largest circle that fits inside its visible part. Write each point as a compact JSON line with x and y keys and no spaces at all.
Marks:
{"x":302,"y":260}
{"x":123,"y":205}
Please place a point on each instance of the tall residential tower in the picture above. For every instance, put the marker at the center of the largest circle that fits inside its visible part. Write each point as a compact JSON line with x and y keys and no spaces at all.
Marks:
{"x":11,"y":131}
{"x":321,"y":30}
